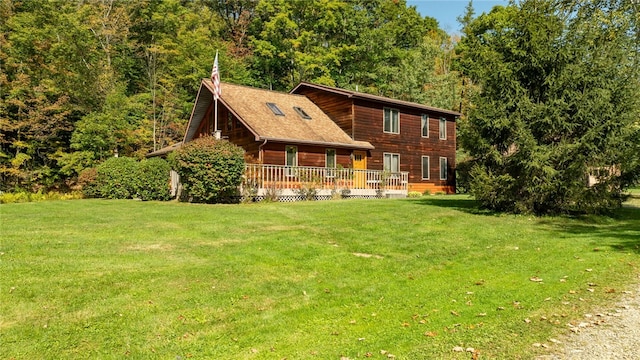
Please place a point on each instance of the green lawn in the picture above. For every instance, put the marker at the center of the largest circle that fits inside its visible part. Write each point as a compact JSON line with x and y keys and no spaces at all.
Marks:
{"x":318,"y":280}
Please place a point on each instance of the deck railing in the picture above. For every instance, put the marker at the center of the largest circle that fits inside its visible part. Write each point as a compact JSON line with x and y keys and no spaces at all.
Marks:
{"x":278,"y":177}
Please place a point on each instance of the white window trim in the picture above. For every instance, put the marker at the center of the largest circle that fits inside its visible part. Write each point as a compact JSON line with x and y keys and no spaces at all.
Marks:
{"x":442,"y":128}
{"x":286,"y":155}
{"x":391,"y":110}
{"x":424,"y":121}
{"x":384,"y":155}
{"x":446,"y":166}
{"x":428,"y":168}
{"x":326,"y":158}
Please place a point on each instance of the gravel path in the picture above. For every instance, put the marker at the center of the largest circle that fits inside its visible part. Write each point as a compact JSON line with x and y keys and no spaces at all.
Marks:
{"x":614,"y":334}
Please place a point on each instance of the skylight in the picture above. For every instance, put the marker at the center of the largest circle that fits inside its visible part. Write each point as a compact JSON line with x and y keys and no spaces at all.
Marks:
{"x":276,"y":110}
{"x":303,"y":114}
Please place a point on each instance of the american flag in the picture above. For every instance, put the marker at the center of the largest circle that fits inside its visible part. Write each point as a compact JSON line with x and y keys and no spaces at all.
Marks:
{"x":215,"y":79}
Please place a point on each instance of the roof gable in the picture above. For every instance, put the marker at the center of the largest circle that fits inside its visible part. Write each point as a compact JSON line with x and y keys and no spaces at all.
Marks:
{"x":375,"y":98}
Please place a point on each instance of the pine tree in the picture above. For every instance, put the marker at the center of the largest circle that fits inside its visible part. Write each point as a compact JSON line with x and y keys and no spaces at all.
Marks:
{"x":554,"y":127}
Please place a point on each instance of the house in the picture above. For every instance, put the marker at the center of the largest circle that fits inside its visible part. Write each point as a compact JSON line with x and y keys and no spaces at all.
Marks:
{"x":330,"y":139}
{"x":415,"y":138}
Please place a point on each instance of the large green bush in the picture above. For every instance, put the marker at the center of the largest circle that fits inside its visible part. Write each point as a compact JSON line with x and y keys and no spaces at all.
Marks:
{"x":116,"y":178}
{"x":153,"y":179}
{"x":210,"y":170}
{"x":127,"y":178}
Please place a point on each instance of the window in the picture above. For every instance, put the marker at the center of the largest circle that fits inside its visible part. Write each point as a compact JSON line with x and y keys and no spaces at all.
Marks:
{"x":391,"y":121}
{"x":443,"y":168}
{"x":391,"y":162}
{"x":276,"y":110}
{"x":443,"y":129}
{"x":291,"y":158}
{"x":330,"y":162}
{"x":229,"y":121}
{"x":425,"y":168}
{"x":303,"y":114}
{"x":425,"y":125}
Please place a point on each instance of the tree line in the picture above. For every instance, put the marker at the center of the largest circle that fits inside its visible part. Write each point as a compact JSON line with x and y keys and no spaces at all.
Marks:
{"x":538,"y":81}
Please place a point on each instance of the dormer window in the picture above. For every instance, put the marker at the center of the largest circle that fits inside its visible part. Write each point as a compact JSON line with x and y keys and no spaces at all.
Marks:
{"x":303,"y":114}
{"x":276,"y":110}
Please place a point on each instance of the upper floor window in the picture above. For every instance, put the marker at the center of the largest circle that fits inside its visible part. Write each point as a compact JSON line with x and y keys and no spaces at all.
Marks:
{"x":391,"y":162}
{"x":229,"y":121}
{"x":276,"y":110}
{"x":391,"y":121}
{"x":443,"y":129}
{"x":425,"y":125}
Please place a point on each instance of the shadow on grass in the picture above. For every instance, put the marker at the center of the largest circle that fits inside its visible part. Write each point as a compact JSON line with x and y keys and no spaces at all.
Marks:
{"x":619,"y":230}
{"x":462,"y":203}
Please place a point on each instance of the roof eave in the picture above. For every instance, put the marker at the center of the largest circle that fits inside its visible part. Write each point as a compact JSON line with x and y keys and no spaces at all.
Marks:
{"x":362,"y":146}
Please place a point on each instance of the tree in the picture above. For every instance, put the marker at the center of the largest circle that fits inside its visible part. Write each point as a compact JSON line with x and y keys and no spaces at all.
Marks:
{"x":557,"y":103}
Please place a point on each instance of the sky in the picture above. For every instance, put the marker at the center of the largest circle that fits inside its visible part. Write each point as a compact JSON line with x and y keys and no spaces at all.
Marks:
{"x":447,"y":11}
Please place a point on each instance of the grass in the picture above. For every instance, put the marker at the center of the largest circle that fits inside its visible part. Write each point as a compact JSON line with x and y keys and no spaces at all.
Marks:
{"x":310,"y":280}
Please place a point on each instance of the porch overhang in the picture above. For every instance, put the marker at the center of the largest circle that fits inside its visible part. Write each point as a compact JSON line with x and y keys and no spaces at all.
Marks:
{"x":356,"y":145}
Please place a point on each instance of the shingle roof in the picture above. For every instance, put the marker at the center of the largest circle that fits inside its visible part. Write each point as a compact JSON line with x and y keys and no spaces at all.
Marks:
{"x":376,"y":98}
{"x":250,"y":107}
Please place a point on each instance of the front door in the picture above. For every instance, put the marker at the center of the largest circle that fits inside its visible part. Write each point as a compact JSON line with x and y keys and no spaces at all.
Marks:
{"x":359,"y":169}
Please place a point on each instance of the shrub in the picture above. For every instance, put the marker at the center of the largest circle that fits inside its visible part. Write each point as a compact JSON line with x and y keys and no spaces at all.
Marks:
{"x":414,"y":194}
{"x":117,"y":178}
{"x":153,"y":179}
{"x":210,"y":170}
{"x":127,"y":178}
{"x":87,"y":181}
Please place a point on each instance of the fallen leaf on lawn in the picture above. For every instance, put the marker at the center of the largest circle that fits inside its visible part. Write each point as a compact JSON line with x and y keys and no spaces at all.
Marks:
{"x":535,"y":279}
{"x":431,"y":334}
{"x":500,"y":308}
{"x":528,"y":321}
{"x":547,"y":299}
{"x":480,"y":282}
{"x":482,"y":314}
{"x":405,"y":324}
{"x":458,"y":349}
{"x":610,"y":291}
{"x":588,"y":270}
{"x":590,"y":290}
{"x":454,"y":313}
{"x":572,"y":291}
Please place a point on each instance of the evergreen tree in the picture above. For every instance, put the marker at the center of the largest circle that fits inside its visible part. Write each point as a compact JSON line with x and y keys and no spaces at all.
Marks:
{"x":553,"y":128}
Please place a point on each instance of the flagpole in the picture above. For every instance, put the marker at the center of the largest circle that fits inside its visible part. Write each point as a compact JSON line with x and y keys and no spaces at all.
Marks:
{"x":215,"y":122}
{"x":215,"y":79}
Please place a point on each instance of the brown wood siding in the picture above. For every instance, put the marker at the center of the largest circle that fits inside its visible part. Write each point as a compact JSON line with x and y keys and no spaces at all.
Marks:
{"x":409,"y":143}
{"x":274,"y":154}
{"x":337,"y":107}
